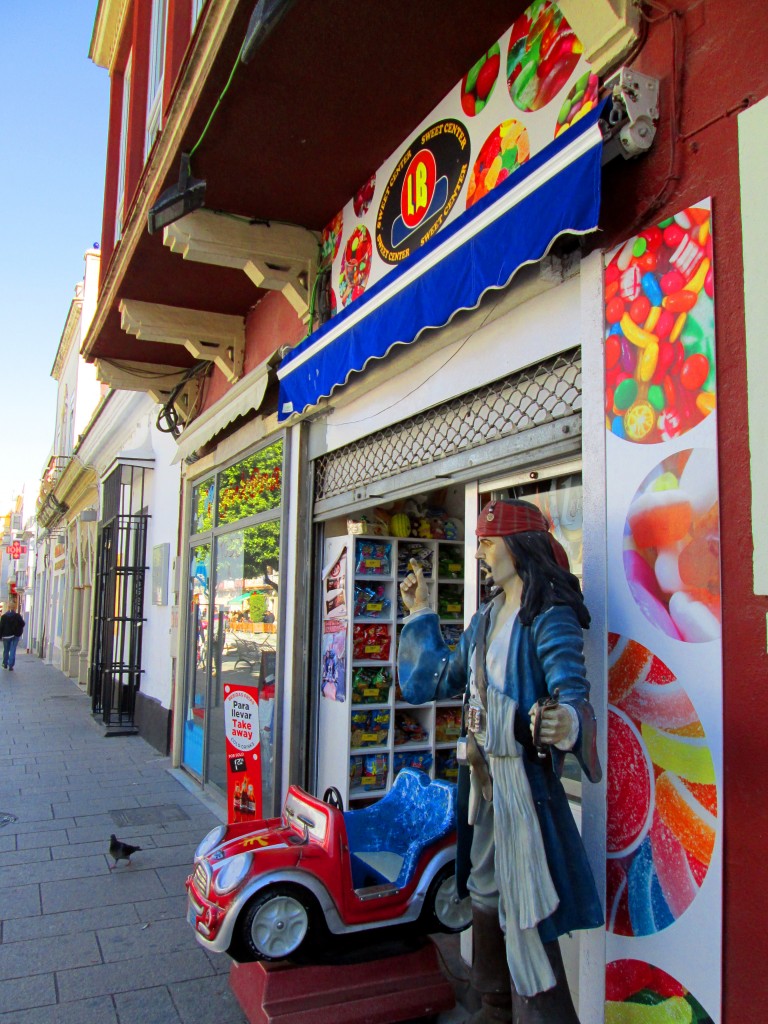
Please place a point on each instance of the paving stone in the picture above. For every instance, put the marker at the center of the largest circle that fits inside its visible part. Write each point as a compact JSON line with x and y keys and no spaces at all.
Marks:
{"x":7,"y":843}
{"x":18,"y":828}
{"x":147,"y":939}
{"x":173,"y":879}
{"x":100,"y":1010}
{"x":23,"y":901}
{"x":119,"y":886}
{"x":25,"y":857}
{"x":56,"y":870}
{"x":41,"y":956}
{"x":147,"y":1006}
{"x":22,"y":993}
{"x":122,"y":976}
{"x":162,"y":910}
{"x":207,"y":1001}
{"x":49,"y":925}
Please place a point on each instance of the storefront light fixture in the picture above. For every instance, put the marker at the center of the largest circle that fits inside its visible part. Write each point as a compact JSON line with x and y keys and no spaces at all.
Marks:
{"x":179,"y":200}
{"x":266,"y":14}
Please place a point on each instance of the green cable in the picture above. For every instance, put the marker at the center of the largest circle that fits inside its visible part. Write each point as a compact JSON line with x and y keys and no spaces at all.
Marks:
{"x":216,"y":107}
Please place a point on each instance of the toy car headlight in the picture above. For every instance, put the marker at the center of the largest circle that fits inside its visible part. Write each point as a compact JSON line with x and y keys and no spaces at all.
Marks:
{"x":212,"y":840}
{"x":232,"y":873}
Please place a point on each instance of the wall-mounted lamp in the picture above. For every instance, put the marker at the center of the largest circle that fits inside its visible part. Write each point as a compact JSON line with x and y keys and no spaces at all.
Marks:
{"x":266,"y":15}
{"x":178,"y":200}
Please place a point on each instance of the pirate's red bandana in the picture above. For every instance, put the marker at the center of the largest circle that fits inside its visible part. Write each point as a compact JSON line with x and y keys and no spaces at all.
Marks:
{"x":500,"y":519}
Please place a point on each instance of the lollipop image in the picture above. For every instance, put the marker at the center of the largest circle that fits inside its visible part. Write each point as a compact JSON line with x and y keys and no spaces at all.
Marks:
{"x":636,"y":992}
{"x":662,"y":795}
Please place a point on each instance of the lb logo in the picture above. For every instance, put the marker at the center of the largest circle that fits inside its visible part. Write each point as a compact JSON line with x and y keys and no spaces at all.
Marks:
{"x":422,"y":190}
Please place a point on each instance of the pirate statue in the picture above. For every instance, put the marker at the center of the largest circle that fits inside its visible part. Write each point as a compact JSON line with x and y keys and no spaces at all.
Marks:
{"x":520,"y":666}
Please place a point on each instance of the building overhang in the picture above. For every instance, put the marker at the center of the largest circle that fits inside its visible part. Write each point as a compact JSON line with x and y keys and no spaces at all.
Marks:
{"x":326,"y":99}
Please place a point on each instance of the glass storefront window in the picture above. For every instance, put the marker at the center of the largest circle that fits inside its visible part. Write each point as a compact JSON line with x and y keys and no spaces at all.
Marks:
{"x":233,"y":610}
{"x":251,"y":486}
{"x":202,"y":506}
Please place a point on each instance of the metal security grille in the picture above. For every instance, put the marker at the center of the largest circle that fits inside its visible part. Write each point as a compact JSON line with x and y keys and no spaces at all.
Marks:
{"x":119,"y":600}
{"x":535,"y":396}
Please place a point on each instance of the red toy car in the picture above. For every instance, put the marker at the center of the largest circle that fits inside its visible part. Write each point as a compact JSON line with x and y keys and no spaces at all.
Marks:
{"x":264,"y":891}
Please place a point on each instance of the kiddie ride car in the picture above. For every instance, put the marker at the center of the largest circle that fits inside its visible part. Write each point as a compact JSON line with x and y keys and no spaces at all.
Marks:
{"x":265,"y":890}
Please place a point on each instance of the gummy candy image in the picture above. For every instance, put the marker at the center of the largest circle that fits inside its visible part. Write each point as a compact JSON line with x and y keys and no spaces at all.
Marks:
{"x":505,"y":149}
{"x":543,"y":51}
{"x":581,"y":98}
{"x":330,"y":239}
{"x":478,"y":84}
{"x":362,"y":201}
{"x":636,"y":992}
{"x":672,"y":547}
{"x":662,"y":795}
{"x":660,"y":330}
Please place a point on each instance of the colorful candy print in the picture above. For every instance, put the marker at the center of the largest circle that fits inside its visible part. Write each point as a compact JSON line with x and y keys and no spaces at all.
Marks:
{"x":362,"y":201}
{"x":543,"y":52}
{"x":672,"y":547}
{"x":503,"y":151}
{"x":581,"y":98}
{"x":662,"y":794}
{"x":636,"y":992}
{"x":478,"y":84}
{"x":355,"y":265}
{"x":659,"y":309}
{"x":330,"y":239}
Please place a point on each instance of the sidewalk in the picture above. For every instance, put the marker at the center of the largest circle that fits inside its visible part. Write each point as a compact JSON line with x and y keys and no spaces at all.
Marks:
{"x":80,"y":943}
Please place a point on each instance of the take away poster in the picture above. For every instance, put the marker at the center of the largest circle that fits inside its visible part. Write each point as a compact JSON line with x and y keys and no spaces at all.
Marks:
{"x":243,"y":751}
{"x":665,"y":680}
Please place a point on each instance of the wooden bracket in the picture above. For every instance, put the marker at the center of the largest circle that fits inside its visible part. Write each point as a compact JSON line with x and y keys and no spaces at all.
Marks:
{"x":216,"y":337}
{"x":278,"y":257}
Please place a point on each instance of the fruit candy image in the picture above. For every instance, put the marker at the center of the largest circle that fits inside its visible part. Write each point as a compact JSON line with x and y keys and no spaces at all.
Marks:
{"x":355,"y":265}
{"x":543,"y":52}
{"x":478,"y":84}
{"x":329,"y":242}
{"x":662,"y":794}
{"x":672,"y":547}
{"x":637,"y":992}
{"x":505,"y":149}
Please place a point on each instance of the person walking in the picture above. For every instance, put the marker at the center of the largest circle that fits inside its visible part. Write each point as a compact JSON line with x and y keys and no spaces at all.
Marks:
{"x":11,"y":628}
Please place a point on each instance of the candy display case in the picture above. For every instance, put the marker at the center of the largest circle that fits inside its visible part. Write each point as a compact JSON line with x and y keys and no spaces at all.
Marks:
{"x":367,"y":732}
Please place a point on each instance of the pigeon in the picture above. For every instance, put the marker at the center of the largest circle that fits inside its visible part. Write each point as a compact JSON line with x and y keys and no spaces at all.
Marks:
{"x":118,"y":850}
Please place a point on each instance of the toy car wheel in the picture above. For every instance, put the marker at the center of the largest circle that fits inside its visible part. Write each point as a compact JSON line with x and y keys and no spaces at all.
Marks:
{"x":443,"y":910}
{"x":277,"y":923}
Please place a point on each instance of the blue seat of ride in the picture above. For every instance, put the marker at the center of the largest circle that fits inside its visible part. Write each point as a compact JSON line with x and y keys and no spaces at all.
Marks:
{"x":387,"y":839}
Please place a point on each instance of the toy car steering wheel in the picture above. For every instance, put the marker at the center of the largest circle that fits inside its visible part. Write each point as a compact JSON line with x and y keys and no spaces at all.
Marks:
{"x":332,"y":797}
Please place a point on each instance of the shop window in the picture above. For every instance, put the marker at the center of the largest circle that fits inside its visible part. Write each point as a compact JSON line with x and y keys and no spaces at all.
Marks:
{"x":251,"y":486}
{"x":234,"y":609}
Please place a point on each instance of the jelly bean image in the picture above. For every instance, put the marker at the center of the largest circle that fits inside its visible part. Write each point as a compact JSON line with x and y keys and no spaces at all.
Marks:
{"x":662,"y":813}
{"x":355,"y":265}
{"x":362,"y":201}
{"x":659,"y":300}
{"x":543,"y":52}
{"x":329,"y":241}
{"x":505,"y":149}
{"x":581,"y":98}
{"x":672,"y":547}
{"x":478,"y":84}
{"x":637,"y":992}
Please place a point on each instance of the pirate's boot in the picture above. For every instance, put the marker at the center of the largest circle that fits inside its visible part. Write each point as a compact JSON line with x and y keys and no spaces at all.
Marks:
{"x":490,"y":973}
{"x":554,"y":1006}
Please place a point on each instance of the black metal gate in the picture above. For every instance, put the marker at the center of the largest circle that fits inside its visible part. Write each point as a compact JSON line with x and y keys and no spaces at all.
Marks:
{"x":119,"y":600}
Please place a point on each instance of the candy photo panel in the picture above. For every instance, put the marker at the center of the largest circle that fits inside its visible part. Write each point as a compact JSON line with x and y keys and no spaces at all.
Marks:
{"x":672,"y":547}
{"x":637,"y":992}
{"x":543,"y":52}
{"x":662,"y":815}
{"x":660,"y":330}
{"x":355,"y":265}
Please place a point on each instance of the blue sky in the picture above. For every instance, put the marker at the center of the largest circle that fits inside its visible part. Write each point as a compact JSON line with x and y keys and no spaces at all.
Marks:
{"x":53,"y":130}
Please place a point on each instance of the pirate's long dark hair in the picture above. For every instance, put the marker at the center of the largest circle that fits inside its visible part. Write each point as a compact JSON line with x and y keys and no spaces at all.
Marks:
{"x":545,"y":583}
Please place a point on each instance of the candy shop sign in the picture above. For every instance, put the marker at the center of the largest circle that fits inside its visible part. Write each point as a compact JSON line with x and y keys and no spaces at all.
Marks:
{"x":422,"y":189}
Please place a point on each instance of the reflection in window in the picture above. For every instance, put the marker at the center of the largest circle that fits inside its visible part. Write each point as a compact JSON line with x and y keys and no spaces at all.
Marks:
{"x":202,"y":506}
{"x":251,"y":486}
{"x":198,"y":647}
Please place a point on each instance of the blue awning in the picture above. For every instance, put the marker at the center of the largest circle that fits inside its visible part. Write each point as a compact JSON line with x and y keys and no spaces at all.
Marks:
{"x":555,"y":192}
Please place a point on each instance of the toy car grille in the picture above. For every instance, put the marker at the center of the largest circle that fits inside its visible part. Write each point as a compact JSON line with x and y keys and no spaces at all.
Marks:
{"x":201,"y":880}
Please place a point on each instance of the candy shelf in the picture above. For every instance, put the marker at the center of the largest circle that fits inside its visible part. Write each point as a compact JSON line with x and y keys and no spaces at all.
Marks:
{"x":368,"y":615}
